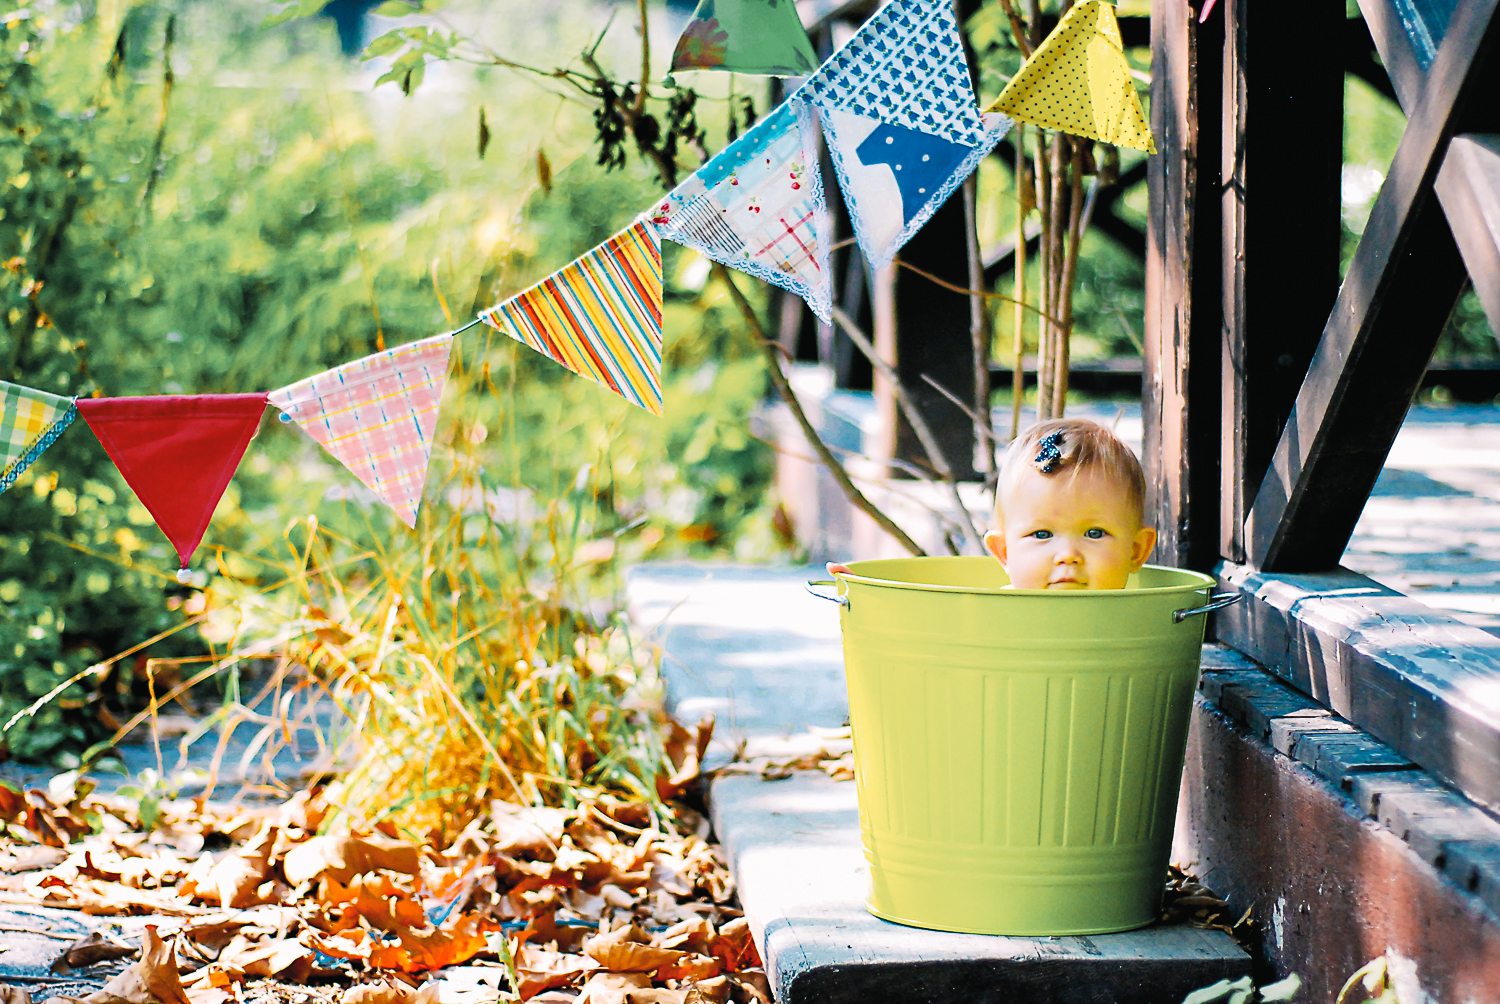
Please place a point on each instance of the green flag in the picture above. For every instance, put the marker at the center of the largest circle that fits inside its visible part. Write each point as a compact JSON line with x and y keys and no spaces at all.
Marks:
{"x":30,"y":420}
{"x":745,"y":36}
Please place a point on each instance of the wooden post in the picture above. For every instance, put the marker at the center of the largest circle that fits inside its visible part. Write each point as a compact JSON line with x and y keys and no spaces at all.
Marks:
{"x":1283,"y":135}
{"x":1180,"y":403}
{"x":933,"y":338}
{"x":1400,"y":288}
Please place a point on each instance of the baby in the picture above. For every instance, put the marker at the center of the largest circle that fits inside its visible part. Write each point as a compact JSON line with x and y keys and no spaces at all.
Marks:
{"x":1069,"y":508}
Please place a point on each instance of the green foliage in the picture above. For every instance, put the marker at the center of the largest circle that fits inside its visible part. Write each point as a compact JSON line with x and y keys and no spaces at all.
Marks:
{"x":254,"y":215}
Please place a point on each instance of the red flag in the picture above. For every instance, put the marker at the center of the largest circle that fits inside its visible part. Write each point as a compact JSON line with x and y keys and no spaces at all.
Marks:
{"x":178,"y":453}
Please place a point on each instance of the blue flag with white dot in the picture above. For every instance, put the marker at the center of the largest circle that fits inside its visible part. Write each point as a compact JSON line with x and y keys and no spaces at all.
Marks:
{"x":902,"y":122}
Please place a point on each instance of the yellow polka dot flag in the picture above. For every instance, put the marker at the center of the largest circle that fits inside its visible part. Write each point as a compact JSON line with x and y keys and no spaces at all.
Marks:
{"x":1078,"y":82}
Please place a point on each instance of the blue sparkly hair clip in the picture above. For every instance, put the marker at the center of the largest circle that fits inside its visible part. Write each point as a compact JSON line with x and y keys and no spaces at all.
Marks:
{"x":1049,"y":454}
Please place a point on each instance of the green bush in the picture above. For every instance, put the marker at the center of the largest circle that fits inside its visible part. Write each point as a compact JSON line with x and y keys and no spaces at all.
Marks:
{"x":194,"y":204}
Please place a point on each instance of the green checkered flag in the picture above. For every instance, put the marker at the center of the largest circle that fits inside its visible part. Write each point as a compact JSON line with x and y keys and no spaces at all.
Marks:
{"x":30,"y":421}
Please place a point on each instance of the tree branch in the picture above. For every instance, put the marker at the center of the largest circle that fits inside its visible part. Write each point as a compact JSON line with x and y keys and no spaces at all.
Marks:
{"x":784,"y":389}
{"x":909,"y":409}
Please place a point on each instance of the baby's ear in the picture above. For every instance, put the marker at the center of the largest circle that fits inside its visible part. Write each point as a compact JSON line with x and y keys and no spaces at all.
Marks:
{"x":1142,"y":546}
{"x":994,"y":542}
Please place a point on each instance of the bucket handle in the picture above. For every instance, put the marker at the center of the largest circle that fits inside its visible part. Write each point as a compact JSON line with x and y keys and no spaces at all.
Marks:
{"x":1216,"y":601}
{"x":842,"y":601}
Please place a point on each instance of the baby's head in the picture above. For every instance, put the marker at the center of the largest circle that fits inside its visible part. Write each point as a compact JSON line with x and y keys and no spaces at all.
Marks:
{"x":1069,"y":508}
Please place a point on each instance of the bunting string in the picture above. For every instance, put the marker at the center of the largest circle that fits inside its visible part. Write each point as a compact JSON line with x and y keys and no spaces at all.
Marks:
{"x":903,"y":128}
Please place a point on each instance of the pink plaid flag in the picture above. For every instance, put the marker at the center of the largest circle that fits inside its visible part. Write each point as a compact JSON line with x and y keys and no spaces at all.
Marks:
{"x":376,"y":415}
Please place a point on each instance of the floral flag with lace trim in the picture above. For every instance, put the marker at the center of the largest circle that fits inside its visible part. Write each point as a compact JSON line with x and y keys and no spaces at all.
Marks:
{"x":901,"y":120}
{"x":758,"y":207}
{"x":30,"y":421}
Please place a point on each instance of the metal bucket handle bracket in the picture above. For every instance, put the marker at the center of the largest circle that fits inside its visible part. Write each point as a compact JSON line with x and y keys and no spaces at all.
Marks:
{"x":1216,"y":601}
{"x":842,"y":601}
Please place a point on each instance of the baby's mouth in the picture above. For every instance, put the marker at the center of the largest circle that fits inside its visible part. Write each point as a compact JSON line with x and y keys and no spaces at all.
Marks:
{"x":1067,"y":584}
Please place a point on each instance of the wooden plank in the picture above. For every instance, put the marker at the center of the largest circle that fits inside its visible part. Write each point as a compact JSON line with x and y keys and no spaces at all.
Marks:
{"x":1396,"y":297}
{"x":1415,"y":678}
{"x":794,"y":848}
{"x":1180,"y":403}
{"x":1466,"y":183}
{"x":1361,"y":60}
{"x":1282,"y":167}
{"x":1469,"y":187}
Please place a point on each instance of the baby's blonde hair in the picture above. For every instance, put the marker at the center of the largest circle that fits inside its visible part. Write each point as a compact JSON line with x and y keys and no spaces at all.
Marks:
{"x":1067,"y":447}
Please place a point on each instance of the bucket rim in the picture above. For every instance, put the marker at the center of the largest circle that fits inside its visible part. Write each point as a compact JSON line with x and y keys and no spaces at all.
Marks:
{"x":1203,"y":582}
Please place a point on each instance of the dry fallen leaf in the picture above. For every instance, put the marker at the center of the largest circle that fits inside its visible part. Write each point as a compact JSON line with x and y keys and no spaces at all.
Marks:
{"x":692,"y":968}
{"x":541,"y":970}
{"x":10,"y":994}
{"x":343,"y":856}
{"x":626,"y":950}
{"x":235,"y":878}
{"x":432,"y":949}
{"x":152,"y":980}
{"x":611,"y":988}
{"x":524,"y":830}
{"x":391,"y":993}
{"x":27,"y":859}
{"x":89,"y":949}
{"x":280,"y":958}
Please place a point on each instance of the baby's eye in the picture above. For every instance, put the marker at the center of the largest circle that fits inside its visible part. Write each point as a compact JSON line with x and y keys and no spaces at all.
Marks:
{"x":1042,"y":534}
{"x":1094,"y":533}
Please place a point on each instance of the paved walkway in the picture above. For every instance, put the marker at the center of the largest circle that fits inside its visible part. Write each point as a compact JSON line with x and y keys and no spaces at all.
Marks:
{"x":1432,"y":527}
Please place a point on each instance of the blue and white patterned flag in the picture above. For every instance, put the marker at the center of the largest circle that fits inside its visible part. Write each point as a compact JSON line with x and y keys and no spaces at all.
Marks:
{"x":901,"y":120}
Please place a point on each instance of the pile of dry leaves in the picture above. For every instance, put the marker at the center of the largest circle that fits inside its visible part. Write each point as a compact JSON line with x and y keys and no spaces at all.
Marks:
{"x":597,"y":904}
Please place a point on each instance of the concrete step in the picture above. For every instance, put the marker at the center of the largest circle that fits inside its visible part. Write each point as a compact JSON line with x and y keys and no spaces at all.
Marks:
{"x":795,"y":851}
{"x":749,"y":644}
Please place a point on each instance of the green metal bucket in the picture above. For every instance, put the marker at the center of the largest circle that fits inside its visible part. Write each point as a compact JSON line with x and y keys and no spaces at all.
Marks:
{"x":1018,"y":752}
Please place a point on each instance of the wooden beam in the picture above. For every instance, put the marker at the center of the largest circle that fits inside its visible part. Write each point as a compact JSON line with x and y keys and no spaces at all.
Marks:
{"x":1282,"y":166}
{"x":1469,"y":187}
{"x":1464,"y":185}
{"x":1396,"y":297}
{"x":1412,"y":676}
{"x":1360,"y":57}
{"x":1180,"y":402}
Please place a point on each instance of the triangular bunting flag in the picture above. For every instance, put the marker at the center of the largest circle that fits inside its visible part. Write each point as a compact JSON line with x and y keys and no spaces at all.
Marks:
{"x":902,"y":122}
{"x":1078,"y":81}
{"x":600,"y":316}
{"x":758,"y":206}
{"x":376,"y":416}
{"x":30,"y":421}
{"x":745,"y":36}
{"x":177,"y":453}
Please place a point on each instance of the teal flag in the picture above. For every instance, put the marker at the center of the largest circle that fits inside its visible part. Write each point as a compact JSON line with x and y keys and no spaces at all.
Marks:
{"x":746,"y":36}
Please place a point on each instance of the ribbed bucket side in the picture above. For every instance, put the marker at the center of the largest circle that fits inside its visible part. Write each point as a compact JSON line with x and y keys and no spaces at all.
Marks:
{"x":1017,"y":759}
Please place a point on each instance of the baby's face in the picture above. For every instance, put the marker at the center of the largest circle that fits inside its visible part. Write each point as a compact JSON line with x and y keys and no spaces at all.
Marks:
{"x":1069,"y":533}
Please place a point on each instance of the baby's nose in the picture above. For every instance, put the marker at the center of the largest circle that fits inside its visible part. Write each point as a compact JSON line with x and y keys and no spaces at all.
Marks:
{"x":1068,"y":554}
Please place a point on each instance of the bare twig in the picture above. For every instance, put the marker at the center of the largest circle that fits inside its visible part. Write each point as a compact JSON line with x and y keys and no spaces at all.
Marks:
{"x":989,"y":435}
{"x":640,"y":97}
{"x":979,"y":330}
{"x":1018,"y":378}
{"x":1017,"y":29}
{"x":968,"y":292}
{"x":913,"y":415}
{"x":784,"y":389}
